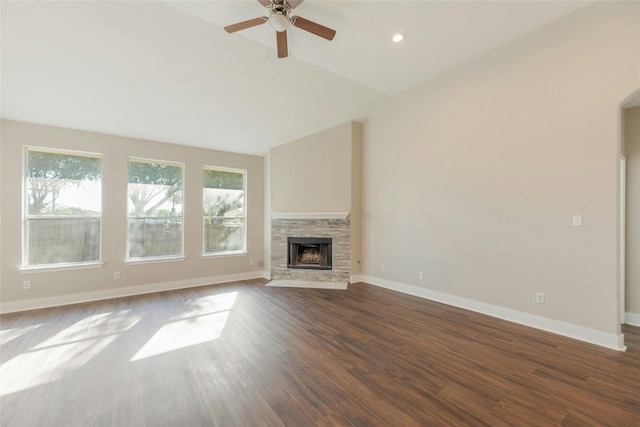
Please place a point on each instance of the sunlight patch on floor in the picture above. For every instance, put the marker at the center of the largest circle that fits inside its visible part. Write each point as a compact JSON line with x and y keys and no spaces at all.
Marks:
{"x":64,"y":352}
{"x":7,"y":335}
{"x":202,"y":320}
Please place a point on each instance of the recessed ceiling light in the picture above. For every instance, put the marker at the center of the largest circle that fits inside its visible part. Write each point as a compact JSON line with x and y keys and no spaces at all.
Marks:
{"x":398,"y":37}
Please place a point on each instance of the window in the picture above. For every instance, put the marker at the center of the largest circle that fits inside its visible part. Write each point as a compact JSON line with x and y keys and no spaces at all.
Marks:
{"x":62,"y":205}
{"x":224,"y":215}
{"x":155,"y":209}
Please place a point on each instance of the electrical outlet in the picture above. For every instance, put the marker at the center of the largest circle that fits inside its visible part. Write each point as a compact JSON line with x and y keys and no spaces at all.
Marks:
{"x":421,"y":275}
{"x":540,"y":298}
{"x":26,"y":284}
{"x":577,"y":220}
{"x":251,"y":261}
{"x":116,"y":275}
{"x":381,"y":267}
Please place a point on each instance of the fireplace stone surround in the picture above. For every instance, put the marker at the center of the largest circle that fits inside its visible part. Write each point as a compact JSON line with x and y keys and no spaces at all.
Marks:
{"x":337,"y":229}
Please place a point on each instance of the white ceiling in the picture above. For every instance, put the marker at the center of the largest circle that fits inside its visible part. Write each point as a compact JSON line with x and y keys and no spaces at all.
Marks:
{"x":167,"y":71}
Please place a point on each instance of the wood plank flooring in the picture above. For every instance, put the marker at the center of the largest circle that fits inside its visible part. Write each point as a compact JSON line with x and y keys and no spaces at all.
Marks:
{"x":242,"y":354}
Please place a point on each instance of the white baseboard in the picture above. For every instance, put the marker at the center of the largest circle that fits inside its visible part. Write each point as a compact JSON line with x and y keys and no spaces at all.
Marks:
{"x":632,"y":319}
{"x":613,"y":341}
{"x":32,"y":304}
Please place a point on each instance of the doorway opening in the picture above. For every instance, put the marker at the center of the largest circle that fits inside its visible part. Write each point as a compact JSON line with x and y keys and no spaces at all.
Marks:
{"x":629,"y":207}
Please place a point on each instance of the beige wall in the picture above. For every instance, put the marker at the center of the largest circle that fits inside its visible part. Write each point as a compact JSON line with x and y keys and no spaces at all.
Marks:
{"x":313,"y":174}
{"x":321,"y":173}
{"x":473,"y":178}
{"x":193,"y":270}
{"x":632,"y":153}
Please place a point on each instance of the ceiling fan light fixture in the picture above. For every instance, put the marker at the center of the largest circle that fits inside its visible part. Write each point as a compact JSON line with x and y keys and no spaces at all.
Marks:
{"x":279,"y":22}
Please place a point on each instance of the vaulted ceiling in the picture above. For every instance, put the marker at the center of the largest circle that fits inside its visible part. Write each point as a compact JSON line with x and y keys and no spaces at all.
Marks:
{"x":168,"y":71}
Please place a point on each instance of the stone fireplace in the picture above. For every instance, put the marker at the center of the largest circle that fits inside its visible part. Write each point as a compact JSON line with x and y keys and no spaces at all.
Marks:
{"x":315,"y":191}
{"x":312,"y":247}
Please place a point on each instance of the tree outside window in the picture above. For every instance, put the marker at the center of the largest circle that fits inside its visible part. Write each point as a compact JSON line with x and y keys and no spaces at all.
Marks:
{"x":63,"y":204}
{"x":155,"y":209}
{"x":224,"y":215}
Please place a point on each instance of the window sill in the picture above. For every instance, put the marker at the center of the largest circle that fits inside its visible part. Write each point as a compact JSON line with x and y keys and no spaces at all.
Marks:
{"x":224,"y":254}
{"x":154,"y":260}
{"x":60,"y":267}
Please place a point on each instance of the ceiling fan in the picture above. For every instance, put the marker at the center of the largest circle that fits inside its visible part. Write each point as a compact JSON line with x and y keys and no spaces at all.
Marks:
{"x":280,"y":21}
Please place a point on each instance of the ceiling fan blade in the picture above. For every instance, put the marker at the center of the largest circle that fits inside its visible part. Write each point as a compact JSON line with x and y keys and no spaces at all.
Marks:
{"x":281,"y":41}
{"x":312,"y":27}
{"x":265,"y":3}
{"x":245,"y":24}
{"x":293,"y":3}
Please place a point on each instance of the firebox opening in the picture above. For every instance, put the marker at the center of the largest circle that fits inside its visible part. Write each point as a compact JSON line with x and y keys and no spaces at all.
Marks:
{"x":309,"y":252}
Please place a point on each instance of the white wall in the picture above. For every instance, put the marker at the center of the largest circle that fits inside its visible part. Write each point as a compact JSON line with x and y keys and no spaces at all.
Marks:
{"x":472,"y":178}
{"x":632,"y":153}
{"x":57,"y":287}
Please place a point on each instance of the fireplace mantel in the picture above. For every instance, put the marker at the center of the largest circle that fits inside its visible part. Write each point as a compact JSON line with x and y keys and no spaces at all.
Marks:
{"x":309,"y":215}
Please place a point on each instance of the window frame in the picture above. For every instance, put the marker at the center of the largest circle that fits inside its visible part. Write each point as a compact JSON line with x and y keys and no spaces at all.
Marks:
{"x":26,"y":217}
{"x":155,"y":258}
{"x":244,"y":249}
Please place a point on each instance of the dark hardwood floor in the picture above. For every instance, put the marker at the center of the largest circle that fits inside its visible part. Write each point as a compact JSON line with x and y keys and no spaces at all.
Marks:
{"x":242,"y":354}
